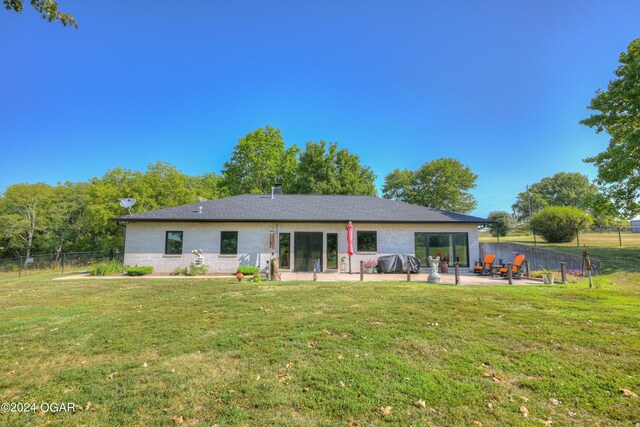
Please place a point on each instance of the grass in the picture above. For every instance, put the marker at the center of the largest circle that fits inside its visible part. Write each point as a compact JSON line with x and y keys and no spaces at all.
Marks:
{"x":203,"y":352}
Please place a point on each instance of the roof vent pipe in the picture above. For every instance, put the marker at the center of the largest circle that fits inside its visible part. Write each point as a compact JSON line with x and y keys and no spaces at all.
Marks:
{"x":272,"y":191}
{"x":199,"y":209}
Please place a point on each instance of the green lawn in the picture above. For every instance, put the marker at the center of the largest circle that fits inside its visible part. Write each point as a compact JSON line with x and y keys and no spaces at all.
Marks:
{"x":203,"y":352}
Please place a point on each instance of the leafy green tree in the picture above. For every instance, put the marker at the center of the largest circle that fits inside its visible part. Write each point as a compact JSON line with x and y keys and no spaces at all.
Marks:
{"x":618,"y":114}
{"x":207,"y":186}
{"x":604,"y":212}
{"x":162,"y":185}
{"x":48,"y":10}
{"x":503,"y":223}
{"x":399,"y":185}
{"x":561,"y":189}
{"x":557,"y":224}
{"x":439,"y":184}
{"x":67,"y":206}
{"x":23,"y":217}
{"x":258,"y":161}
{"x":327,"y":170}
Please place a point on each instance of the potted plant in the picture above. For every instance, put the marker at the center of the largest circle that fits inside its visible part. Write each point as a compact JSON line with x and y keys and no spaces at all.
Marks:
{"x":370,"y":265}
{"x":548,"y":276}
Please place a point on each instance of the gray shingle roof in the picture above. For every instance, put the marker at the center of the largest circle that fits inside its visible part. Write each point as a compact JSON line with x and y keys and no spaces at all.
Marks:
{"x":302,"y":208}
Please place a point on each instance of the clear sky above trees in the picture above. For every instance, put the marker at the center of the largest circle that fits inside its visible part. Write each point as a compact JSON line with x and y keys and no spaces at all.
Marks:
{"x":398,"y":84}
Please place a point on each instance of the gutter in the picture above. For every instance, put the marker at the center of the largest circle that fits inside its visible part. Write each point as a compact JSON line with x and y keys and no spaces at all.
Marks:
{"x":337,"y":221}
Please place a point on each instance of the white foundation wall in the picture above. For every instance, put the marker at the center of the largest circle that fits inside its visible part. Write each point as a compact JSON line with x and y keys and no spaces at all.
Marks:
{"x":145,"y":242}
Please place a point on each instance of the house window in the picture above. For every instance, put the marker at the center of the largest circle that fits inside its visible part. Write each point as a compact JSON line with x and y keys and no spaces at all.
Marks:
{"x":332,"y":251}
{"x":229,"y":242}
{"x":285,"y":250}
{"x":173,"y":243}
{"x":450,"y":247}
{"x":367,"y":241}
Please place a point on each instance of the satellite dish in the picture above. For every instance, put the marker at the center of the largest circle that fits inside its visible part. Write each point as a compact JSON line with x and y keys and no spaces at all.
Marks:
{"x":127,"y":203}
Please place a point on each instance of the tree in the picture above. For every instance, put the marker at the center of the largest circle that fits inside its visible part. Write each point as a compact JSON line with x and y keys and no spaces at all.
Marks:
{"x":23,"y":216}
{"x":162,"y":185}
{"x":259,"y":161}
{"x":68,"y":203}
{"x":439,"y":184}
{"x":48,"y":9}
{"x":603,"y":211}
{"x":619,"y":115}
{"x":399,"y":185}
{"x":207,"y":186}
{"x":561,"y":189}
{"x":326,"y":170}
{"x":558,"y":224}
{"x":503,"y":222}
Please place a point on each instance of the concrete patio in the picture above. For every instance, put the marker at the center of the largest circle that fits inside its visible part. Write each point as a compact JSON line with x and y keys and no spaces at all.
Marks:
{"x":466,"y":279}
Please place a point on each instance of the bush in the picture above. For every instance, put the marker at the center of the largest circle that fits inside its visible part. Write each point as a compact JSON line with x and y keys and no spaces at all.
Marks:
{"x":106,"y":268}
{"x":139,"y":271}
{"x":248,"y":270}
{"x":559,"y":223}
{"x":178,"y":271}
{"x":256,"y":279}
{"x":197,"y":269}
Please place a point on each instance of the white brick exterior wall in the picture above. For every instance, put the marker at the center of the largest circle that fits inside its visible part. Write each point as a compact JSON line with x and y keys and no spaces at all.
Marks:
{"x":145,"y":242}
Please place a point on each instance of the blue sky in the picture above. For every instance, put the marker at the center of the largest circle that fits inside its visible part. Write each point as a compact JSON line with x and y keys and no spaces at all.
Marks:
{"x":499,"y":85}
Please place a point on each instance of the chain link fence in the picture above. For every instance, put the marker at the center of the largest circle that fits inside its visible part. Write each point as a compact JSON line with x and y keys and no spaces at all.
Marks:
{"x":54,"y":263}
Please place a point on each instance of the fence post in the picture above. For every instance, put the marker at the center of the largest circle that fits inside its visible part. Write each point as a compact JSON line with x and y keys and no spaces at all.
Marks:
{"x":408,"y":271}
{"x":20,"y":269}
{"x":509,"y":274}
{"x":526,"y":265}
{"x":62,"y":262}
{"x":563,"y":272}
{"x":457,"y":270}
{"x":361,"y":271}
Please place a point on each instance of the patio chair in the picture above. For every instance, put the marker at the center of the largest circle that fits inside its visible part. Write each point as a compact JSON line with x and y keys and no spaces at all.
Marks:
{"x":516,"y":269}
{"x":484,"y":267}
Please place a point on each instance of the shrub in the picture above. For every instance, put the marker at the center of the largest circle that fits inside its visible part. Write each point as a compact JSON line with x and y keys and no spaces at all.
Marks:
{"x":197,"y":269}
{"x":559,"y":223}
{"x":248,"y":270}
{"x":178,"y":271}
{"x":139,"y":271}
{"x":106,"y":268}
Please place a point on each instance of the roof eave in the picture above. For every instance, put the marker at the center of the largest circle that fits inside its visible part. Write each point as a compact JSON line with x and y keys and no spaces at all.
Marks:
{"x":335,"y":221}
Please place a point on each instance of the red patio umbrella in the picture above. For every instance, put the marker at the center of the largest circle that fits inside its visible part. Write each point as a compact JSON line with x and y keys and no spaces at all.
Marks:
{"x":350,"y":243}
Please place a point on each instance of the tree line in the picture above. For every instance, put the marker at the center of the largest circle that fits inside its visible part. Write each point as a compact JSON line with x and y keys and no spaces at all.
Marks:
{"x":77,"y":216}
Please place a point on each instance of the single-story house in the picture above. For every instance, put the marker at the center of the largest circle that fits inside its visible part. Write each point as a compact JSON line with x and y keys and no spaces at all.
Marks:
{"x":635,"y":225}
{"x":298,"y":229}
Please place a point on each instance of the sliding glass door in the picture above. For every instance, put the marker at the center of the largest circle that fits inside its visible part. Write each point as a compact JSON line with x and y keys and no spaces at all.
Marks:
{"x":451,"y":247}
